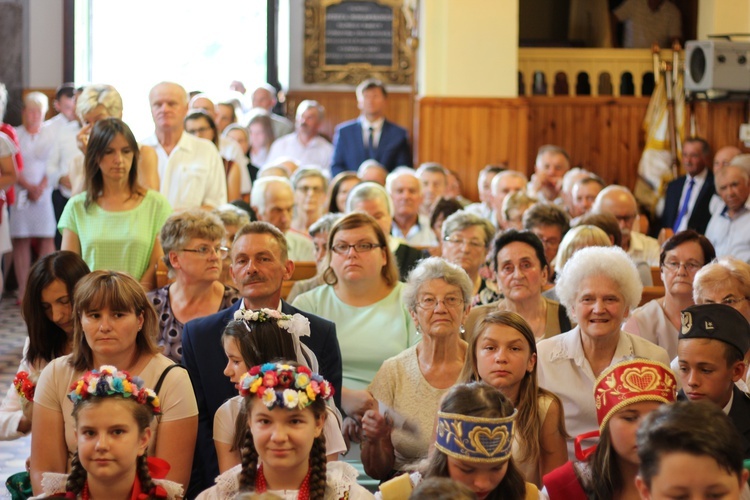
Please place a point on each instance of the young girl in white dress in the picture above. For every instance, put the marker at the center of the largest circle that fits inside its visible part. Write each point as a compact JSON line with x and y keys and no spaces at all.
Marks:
{"x":284,"y":452}
{"x":112,"y":412}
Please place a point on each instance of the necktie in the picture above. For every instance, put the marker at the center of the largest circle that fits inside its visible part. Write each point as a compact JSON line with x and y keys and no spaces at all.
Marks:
{"x":370,"y":144}
{"x":684,"y":207}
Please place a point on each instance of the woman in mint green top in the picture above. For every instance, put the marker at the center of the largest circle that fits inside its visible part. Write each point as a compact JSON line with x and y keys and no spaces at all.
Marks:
{"x":114,"y":224}
{"x":363,"y":298}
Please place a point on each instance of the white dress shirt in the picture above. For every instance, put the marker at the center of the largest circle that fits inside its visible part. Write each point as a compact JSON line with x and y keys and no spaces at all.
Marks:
{"x":193,"y":174}
{"x":318,"y":151}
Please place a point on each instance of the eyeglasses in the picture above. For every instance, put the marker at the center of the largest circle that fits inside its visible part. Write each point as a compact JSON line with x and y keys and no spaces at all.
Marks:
{"x":460,"y":242}
{"x":674,"y":266}
{"x":429,"y":302}
{"x":343,"y":248}
{"x":205,"y":251}
{"x":728,"y":301}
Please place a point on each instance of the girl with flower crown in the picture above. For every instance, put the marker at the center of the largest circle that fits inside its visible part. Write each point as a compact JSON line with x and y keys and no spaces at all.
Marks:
{"x":284,"y":452}
{"x":251,"y":339}
{"x":625,"y":393}
{"x":112,"y":411}
{"x":502,"y":353}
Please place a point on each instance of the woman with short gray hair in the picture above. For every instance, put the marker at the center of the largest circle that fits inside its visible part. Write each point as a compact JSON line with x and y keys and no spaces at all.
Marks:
{"x":466,"y":241}
{"x":193,"y":253}
{"x":438,"y":297}
{"x":599,"y":286}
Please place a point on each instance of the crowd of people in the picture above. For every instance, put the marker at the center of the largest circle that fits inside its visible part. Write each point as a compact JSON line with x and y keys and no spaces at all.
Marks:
{"x":497,"y":349}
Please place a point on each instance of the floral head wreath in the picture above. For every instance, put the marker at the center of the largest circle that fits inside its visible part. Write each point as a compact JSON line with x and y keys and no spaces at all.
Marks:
{"x":108,"y":381}
{"x":285,"y":386}
{"x":296,"y":324}
{"x":625,"y":383}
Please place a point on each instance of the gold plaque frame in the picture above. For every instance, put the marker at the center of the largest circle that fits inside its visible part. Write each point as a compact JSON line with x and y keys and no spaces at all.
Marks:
{"x":400,"y":72}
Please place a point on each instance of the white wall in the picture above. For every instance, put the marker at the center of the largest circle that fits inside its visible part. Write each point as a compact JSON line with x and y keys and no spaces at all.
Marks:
{"x":43,"y":62}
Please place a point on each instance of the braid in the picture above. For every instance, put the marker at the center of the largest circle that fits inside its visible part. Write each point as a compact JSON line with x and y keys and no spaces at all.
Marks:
{"x":249,"y":464}
{"x":147,"y":484}
{"x":77,"y":476}
{"x":318,"y":468}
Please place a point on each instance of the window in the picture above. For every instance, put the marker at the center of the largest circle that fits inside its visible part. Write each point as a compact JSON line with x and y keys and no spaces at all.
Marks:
{"x":136,"y":44}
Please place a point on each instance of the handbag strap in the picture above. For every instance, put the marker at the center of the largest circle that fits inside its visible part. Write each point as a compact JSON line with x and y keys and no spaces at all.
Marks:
{"x":163,"y":375}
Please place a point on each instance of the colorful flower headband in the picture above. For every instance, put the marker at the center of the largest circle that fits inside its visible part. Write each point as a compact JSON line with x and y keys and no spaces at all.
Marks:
{"x":285,"y":386}
{"x":296,"y":324}
{"x":475,"y":439}
{"x":108,"y":381}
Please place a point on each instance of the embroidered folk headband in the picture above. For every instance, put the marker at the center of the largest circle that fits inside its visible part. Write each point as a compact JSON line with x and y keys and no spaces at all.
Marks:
{"x":475,"y":439}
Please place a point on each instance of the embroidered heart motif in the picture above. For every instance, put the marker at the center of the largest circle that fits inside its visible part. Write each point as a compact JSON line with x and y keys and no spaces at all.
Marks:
{"x":488,"y":442}
{"x":640,"y":379}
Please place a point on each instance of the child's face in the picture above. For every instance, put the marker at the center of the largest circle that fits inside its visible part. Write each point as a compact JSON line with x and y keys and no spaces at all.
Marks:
{"x":283,"y":438}
{"x":481,"y":478}
{"x":704,"y":372}
{"x":683,"y":475}
{"x":623,"y":426}
{"x":109,"y":441}
{"x":236,"y":366}
{"x":503,"y":358}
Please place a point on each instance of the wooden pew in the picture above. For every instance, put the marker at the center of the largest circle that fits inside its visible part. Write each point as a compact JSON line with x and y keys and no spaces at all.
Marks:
{"x":656,"y":276}
{"x":651,"y":293}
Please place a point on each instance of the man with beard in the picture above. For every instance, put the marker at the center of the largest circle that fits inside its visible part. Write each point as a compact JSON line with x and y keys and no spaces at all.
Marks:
{"x":305,"y":145}
{"x":260,"y":264}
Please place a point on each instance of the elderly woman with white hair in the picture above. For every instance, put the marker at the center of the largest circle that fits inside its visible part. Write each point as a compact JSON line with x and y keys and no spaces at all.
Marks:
{"x":599,"y":287}
{"x":32,"y":217}
{"x":193,"y":253}
{"x":466,"y":241}
{"x":438,"y":296}
{"x":100,"y":101}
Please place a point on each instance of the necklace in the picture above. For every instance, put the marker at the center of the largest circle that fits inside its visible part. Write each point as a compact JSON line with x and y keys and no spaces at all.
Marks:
{"x":261,"y":486}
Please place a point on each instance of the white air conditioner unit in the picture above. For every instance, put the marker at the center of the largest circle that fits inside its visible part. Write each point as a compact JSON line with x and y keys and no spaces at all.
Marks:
{"x":717,"y":65}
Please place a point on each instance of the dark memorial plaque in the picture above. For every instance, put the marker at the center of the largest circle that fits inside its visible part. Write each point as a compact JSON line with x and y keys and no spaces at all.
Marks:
{"x":359,"y":32}
{"x":347,"y":41}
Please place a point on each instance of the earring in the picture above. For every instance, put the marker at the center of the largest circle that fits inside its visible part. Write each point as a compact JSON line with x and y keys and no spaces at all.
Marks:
{"x":462,"y":330}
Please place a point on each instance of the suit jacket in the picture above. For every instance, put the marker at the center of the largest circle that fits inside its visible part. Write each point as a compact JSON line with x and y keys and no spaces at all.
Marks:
{"x":739,"y":414}
{"x":349,"y":150}
{"x":407,"y":258}
{"x":203,"y":356}
{"x":700,"y":215}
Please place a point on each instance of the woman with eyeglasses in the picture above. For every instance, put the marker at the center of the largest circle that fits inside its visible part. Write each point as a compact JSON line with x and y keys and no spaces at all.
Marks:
{"x":193,"y":253}
{"x":362,"y":295}
{"x":659,"y":320}
{"x":438,"y":297}
{"x":114,"y":224}
{"x":521,"y":269}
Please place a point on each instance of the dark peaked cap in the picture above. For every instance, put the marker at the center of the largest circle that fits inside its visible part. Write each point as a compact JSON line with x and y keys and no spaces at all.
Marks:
{"x":718,"y":322}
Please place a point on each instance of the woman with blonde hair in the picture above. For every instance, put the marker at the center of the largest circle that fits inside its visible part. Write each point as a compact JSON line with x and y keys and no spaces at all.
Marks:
{"x":114,"y":325}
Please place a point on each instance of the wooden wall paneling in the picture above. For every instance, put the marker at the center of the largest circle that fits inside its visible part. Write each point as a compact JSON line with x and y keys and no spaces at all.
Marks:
{"x":719,"y":122}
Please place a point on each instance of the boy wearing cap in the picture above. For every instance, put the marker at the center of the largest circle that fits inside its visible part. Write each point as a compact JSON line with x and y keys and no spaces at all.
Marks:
{"x":711,"y":355}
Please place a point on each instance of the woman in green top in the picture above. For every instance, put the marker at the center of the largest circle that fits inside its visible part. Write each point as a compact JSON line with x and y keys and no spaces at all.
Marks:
{"x":114,"y":224}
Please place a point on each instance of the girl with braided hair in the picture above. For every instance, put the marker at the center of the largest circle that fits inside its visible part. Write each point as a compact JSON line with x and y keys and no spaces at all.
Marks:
{"x":113,"y":413}
{"x":251,"y":339}
{"x":285,"y":451}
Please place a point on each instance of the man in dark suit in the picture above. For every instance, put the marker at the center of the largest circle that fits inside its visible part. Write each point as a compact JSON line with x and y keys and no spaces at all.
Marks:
{"x":686,"y":203}
{"x":711,"y":350}
{"x":370,"y":136}
{"x":259,"y":266}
